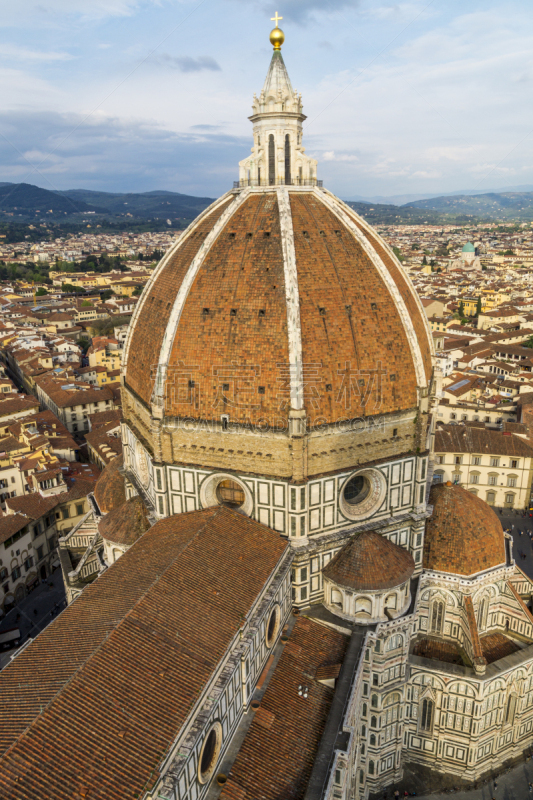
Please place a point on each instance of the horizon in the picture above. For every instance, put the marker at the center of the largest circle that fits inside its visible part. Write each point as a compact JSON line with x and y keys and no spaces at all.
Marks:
{"x":405,"y":99}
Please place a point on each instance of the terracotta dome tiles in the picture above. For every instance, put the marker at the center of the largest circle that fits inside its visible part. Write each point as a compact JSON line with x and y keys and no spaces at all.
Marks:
{"x":236,"y":306}
{"x":463,"y":535}
{"x":150,"y":327}
{"x":109,"y":491}
{"x":370,"y":562}
{"x":230,"y":352}
{"x":126,"y":523}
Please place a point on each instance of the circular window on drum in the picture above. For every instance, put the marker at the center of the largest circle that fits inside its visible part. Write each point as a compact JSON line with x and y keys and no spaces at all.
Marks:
{"x":273,"y":625}
{"x":224,"y":490}
{"x":209,"y":753}
{"x":230,"y":493}
{"x":363,"y":494}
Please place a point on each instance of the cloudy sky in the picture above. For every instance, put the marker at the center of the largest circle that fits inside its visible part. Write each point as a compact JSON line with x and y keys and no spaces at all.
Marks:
{"x":133,"y":95}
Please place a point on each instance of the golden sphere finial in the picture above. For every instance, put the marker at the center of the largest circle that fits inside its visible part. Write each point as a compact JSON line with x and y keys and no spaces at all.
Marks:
{"x":277,"y":37}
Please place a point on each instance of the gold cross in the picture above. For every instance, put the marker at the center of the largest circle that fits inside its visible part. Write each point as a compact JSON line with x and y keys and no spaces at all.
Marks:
{"x":276,"y":19}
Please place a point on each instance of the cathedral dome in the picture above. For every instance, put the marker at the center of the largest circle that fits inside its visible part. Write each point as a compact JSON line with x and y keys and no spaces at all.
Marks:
{"x":370,"y":562}
{"x":463,"y":535}
{"x":278,"y":298}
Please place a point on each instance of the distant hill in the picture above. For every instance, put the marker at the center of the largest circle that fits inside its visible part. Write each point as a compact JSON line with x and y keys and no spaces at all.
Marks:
{"x":28,"y":202}
{"x":146,"y":205}
{"x":493,"y":205}
{"x":25,"y":203}
{"x":386,"y":214}
{"x":27,"y":199}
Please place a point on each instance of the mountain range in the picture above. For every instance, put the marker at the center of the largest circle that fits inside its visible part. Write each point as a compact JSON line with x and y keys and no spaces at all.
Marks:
{"x":25,"y":203}
{"x":30,"y":202}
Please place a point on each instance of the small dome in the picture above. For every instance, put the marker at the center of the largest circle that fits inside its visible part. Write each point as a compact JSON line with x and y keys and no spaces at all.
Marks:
{"x":469,"y":248}
{"x":109,"y":491}
{"x":126,"y":523}
{"x":463,"y":536}
{"x":370,"y":562}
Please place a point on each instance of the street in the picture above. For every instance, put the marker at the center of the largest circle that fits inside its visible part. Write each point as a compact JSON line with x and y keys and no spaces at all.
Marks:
{"x":520,"y":527}
{"x":35,"y":612}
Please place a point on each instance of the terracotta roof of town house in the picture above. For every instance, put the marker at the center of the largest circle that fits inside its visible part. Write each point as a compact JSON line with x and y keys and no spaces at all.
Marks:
{"x":110,"y":491}
{"x":14,"y":405}
{"x":370,"y":561}
{"x":33,"y":505}
{"x":10,"y":524}
{"x":169,"y":607}
{"x":463,"y":535}
{"x":350,"y":312}
{"x":126,"y":523}
{"x":286,"y":724}
{"x":103,"y":417}
{"x":468,"y":439}
{"x":106,"y":444}
{"x":65,"y":398}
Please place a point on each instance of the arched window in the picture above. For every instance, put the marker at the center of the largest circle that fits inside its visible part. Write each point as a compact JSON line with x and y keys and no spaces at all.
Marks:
{"x":390,"y":601}
{"x":363,"y":606}
{"x":426,"y":719}
{"x":372,"y":740}
{"x":364,"y":710}
{"x":394,"y":641}
{"x":287,"y":159}
{"x":374,"y":701}
{"x":437,"y":616}
{"x":271,"y":160}
{"x":370,"y":767}
{"x":363,"y":730}
{"x":482,"y":614}
{"x":373,"y":722}
{"x":336,"y":598}
{"x":510,"y":709}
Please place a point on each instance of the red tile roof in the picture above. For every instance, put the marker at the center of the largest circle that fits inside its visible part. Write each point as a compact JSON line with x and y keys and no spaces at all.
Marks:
{"x":126,"y":523}
{"x":350,"y":321}
{"x":463,"y":535}
{"x":370,"y":561}
{"x":97,"y":699}
{"x":110,"y":491}
{"x":278,"y":752}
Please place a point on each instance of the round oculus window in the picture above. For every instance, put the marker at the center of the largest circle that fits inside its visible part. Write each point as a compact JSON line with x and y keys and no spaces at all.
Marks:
{"x":363,"y":494}
{"x":222,"y":489}
{"x":230,"y":494}
{"x":209,"y":753}
{"x":273,"y":626}
{"x":356,"y":490}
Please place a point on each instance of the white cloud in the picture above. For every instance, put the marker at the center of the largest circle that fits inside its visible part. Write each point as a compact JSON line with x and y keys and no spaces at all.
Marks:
{"x":187,"y":63}
{"x":11,"y":52}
